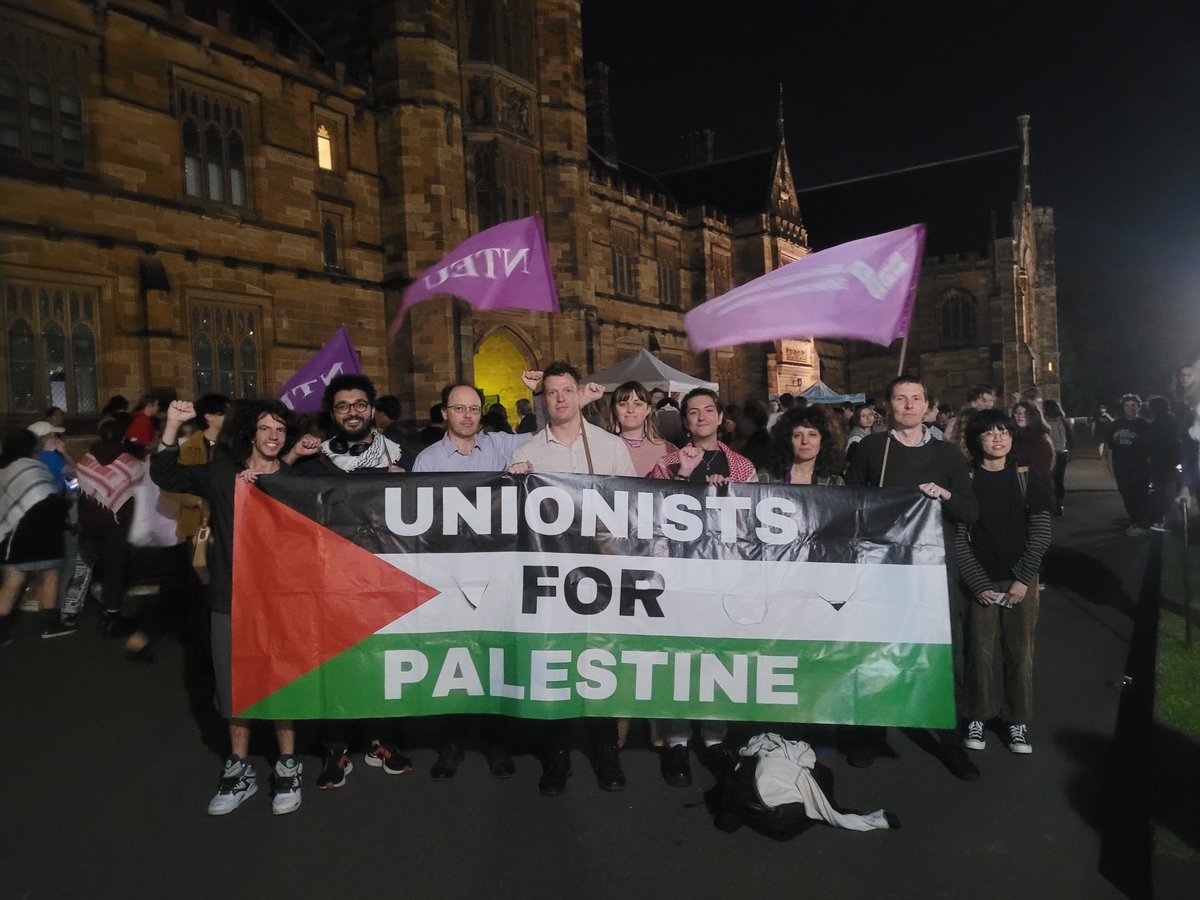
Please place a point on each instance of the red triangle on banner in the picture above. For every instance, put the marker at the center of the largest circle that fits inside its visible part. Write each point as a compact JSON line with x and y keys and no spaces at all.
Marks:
{"x":302,"y":594}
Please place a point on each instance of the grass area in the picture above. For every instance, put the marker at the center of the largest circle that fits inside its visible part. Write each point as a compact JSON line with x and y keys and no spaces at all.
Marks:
{"x":1178,"y":700}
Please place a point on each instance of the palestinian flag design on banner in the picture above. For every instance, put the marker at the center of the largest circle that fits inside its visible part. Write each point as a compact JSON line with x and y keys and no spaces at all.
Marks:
{"x":555,"y":596}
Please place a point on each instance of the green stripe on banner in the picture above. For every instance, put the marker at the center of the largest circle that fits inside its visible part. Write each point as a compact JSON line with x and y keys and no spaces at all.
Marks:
{"x":559,"y":676}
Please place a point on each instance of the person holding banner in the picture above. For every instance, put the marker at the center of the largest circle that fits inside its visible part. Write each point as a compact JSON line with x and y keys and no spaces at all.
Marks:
{"x":703,"y":460}
{"x":907,"y":455}
{"x":465,"y":448}
{"x":571,"y":444}
{"x":635,"y":423}
{"x":356,"y":447}
{"x":806,"y":448}
{"x":255,"y":444}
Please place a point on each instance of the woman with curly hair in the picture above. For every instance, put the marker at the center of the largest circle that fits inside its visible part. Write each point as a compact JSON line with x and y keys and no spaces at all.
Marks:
{"x":806,"y":448}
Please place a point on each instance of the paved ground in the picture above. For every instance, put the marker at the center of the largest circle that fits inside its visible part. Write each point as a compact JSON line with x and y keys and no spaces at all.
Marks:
{"x":107,"y":774}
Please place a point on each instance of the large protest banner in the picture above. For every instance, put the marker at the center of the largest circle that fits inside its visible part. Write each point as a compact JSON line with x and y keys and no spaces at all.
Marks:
{"x":553,"y":596}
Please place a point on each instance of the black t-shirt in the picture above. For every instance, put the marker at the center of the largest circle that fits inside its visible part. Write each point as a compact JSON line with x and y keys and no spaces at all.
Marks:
{"x":715,"y":462}
{"x":999,"y":535}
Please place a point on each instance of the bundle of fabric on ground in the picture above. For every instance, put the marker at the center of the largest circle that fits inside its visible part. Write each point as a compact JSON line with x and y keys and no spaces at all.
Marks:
{"x":776,"y":788}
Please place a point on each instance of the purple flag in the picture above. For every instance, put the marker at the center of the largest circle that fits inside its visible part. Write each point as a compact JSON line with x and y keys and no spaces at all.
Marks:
{"x":304,"y":390}
{"x":507,"y":266}
{"x":862,"y":290}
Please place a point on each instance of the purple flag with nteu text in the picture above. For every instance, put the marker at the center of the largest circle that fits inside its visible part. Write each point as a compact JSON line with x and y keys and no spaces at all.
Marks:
{"x":505,"y":267}
{"x":862,"y":290}
{"x":304,"y":390}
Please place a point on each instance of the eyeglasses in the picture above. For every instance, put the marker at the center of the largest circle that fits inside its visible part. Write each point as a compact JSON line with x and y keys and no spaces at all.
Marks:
{"x":359,"y":406}
{"x":458,"y":409}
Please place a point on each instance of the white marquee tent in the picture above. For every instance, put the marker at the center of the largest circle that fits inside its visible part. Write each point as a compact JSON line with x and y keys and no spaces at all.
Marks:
{"x":652,"y":372}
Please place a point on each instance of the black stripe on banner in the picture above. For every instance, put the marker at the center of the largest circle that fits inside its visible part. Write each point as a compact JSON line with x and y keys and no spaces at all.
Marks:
{"x":637,"y":517}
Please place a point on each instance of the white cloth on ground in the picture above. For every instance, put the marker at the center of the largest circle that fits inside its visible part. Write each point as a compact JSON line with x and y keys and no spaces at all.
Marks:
{"x":784,"y":775}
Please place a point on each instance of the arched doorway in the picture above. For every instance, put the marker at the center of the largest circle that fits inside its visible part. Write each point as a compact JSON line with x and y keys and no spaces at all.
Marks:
{"x":499,"y":362}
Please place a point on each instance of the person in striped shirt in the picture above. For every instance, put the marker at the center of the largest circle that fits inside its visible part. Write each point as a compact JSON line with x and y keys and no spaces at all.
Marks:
{"x":998,"y":560}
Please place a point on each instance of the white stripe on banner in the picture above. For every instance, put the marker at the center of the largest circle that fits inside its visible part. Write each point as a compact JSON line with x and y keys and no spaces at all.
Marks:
{"x":582,"y":593}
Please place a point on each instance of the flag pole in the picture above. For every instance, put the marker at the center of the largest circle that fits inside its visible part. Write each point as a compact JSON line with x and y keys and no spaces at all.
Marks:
{"x":888,"y":444}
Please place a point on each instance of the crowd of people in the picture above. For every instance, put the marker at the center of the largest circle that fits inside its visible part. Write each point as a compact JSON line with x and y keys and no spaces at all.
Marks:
{"x":997,"y":475}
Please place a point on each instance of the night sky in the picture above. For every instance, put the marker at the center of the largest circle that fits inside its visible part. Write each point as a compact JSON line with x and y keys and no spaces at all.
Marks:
{"x":1114,"y":98}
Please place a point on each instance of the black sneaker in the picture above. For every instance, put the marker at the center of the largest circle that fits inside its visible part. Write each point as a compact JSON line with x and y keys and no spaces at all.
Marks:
{"x":337,"y":767}
{"x":862,"y":756}
{"x":58,"y":629}
{"x":447,"y":763}
{"x":677,"y":766}
{"x":384,"y":755}
{"x":556,"y":769}
{"x":608,"y":768}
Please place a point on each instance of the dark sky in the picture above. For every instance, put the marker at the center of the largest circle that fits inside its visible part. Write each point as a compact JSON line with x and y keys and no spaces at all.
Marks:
{"x":1113,"y":91}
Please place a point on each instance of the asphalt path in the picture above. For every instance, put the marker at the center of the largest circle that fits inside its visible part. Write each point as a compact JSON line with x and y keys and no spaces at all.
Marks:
{"x":109,"y":765}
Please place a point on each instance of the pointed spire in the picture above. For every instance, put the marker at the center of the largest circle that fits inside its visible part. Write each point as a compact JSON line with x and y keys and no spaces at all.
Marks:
{"x":779,"y":117}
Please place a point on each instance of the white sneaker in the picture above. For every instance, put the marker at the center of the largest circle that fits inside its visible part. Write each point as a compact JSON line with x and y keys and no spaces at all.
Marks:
{"x":287,"y":786}
{"x":974,"y":740}
{"x":1018,"y":741}
{"x":237,"y":786}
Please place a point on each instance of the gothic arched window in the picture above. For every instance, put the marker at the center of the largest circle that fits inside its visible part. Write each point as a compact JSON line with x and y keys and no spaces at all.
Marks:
{"x":956,"y":317}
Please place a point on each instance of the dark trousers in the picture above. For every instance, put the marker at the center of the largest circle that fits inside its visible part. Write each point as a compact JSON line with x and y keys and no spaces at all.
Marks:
{"x":456,"y":729}
{"x":1000,"y":643}
{"x":1134,"y":484}
{"x":555,"y":735}
{"x":109,"y":549}
{"x":1061,"y":458}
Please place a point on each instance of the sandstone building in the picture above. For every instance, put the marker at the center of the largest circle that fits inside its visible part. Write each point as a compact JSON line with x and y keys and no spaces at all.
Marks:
{"x":197,"y":193}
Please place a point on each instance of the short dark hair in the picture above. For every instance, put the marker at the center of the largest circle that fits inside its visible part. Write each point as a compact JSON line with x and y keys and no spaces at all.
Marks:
{"x":450,"y":387}
{"x":347,"y":383}
{"x":702,"y":392}
{"x":561,"y":368}
{"x":981,"y":422}
{"x":210,"y":405}
{"x":786,"y":401}
{"x":978,"y":391}
{"x":899,"y":380}
{"x":389,"y":406}
{"x":435,"y":414}
{"x":20,"y":443}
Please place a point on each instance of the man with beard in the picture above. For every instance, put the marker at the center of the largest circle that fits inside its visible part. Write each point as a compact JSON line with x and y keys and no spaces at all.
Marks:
{"x":253,"y":446}
{"x":356,"y":447}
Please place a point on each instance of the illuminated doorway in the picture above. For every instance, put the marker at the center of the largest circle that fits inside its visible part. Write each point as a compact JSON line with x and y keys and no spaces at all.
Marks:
{"x":499,"y":362}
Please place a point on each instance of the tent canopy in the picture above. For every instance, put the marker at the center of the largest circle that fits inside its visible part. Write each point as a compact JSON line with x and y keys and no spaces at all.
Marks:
{"x":652,"y":372}
{"x":823,"y":393}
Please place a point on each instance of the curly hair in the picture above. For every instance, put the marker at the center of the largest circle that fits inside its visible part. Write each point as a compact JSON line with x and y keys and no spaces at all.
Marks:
{"x":347,"y":382}
{"x":831,"y":457}
{"x":241,"y":424}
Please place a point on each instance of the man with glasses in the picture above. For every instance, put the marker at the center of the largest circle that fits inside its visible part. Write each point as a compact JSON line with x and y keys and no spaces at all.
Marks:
{"x":464,"y":448}
{"x":355,"y":447}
